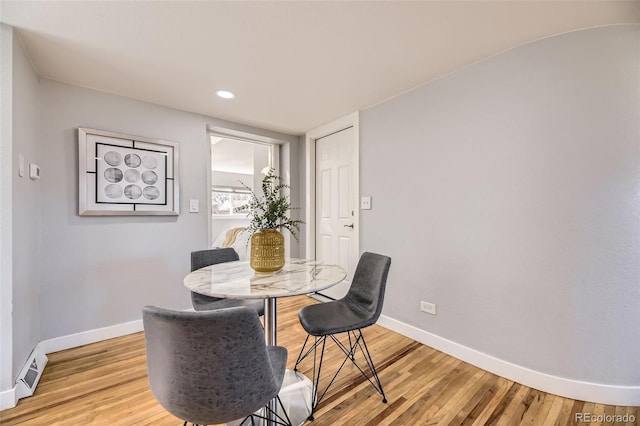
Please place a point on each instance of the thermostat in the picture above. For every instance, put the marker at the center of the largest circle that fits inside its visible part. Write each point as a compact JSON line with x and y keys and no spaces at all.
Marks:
{"x":34,"y":171}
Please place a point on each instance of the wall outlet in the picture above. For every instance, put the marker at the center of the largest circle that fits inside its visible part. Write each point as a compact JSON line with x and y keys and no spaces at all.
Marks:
{"x":427,"y":307}
{"x":34,"y":171}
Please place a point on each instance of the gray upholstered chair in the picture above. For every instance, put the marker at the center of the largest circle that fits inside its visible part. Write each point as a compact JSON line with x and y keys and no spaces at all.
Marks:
{"x":212,"y":367}
{"x":200,"y":302}
{"x":360,"y":308}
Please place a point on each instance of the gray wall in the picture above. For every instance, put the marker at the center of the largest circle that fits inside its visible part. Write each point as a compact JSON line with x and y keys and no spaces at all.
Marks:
{"x":507,"y":194}
{"x":26,"y":209}
{"x":100,"y":271}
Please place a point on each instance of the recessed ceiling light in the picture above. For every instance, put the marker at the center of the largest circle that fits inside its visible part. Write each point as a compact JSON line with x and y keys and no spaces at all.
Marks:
{"x":225,"y":94}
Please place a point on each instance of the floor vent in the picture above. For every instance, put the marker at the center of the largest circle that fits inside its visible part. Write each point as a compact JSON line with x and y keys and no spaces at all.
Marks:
{"x":30,"y":375}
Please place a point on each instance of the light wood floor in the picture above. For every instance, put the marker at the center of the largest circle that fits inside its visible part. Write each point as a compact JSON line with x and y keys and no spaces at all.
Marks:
{"x":106,"y":384}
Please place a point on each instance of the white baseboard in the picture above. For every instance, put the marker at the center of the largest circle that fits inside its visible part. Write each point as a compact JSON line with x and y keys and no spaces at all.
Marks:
{"x":569,"y":388}
{"x":90,"y":336}
{"x":8,"y":399}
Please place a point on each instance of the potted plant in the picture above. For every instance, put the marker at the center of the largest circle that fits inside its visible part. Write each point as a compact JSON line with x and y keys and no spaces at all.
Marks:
{"x":269,"y":214}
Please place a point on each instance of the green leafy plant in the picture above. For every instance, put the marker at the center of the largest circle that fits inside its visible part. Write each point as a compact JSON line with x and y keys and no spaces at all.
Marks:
{"x":270,"y":210}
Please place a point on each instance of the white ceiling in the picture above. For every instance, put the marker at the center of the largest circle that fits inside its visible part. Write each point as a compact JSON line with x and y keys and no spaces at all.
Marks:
{"x":293,"y":65}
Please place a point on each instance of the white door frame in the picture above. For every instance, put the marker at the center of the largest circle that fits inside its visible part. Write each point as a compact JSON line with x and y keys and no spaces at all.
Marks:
{"x":351,"y":120}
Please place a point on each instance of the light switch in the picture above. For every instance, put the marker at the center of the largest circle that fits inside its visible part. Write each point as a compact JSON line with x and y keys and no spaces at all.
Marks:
{"x":365,"y":203}
{"x":21,"y":165}
{"x":194,"y":206}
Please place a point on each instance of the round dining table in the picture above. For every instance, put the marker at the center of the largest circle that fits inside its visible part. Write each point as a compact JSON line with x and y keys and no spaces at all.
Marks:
{"x":236,"y":280}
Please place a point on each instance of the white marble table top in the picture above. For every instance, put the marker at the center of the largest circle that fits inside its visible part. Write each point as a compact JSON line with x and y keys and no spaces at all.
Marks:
{"x":236,"y":280}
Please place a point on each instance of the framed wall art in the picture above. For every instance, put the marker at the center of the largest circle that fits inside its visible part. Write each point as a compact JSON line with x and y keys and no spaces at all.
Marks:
{"x":126,"y":175}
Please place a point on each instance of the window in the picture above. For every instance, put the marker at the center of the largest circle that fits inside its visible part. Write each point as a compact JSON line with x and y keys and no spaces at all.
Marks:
{"x":228,"y":200}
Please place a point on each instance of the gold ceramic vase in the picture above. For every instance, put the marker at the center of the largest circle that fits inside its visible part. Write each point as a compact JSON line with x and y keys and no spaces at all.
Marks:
{"x":267,"y":251}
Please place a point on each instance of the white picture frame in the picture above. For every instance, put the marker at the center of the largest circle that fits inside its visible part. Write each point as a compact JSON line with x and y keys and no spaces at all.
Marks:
{"x":120,"y":174}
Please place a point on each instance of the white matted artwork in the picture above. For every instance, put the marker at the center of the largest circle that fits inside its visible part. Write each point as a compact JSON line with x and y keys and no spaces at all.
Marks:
{"x":126,"y":175}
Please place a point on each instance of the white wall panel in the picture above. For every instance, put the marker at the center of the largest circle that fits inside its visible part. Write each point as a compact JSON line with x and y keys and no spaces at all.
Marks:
{"x":325,"y":193}
{"x":344,"y":181}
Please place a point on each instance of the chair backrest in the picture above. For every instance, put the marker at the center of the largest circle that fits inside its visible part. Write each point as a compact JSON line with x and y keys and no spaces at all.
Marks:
{"x":208,"y":367}
{"x":202,"y":258}
{"x":366,"y":293}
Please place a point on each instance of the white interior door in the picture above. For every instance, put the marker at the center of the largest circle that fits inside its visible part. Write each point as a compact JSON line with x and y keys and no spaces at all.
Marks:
{"x":336,"y":233}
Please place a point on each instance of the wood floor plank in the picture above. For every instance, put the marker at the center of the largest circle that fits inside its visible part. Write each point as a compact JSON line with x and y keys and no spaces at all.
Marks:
{"x":419,"y":392}
{"x":106,"y":383}
{"x":539,"y":410}
{"x":529,"y":407}
{"x":632,"y":413}
{"x":555,"y":407}
{"x":565,"y":413}
{"x":451,"y":396}
{"x":452,"y":411}
{"x":512,"y":405}
{"x":488,"y":404}
{"x":477,"y":401}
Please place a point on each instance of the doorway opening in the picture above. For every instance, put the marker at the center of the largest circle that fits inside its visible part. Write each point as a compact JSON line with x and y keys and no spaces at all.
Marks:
{"x":237,"y":168}
{"x":332,"y":153}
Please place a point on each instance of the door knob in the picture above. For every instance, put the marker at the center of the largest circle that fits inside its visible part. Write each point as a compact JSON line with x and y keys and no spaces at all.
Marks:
{"x":349,"y":226}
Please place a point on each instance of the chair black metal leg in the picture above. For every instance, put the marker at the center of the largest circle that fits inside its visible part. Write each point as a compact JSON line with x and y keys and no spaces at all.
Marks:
{"x":344,"y":361}
{"x":316,"y":373}
{"x":300,"y":355}
{"x":351,"y":351}
{"x":356,"y":341}
{"x":317,"y":367}
{"x":279,"y":420}
{"x":372,"y":368}
{"x":286,"y":415}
